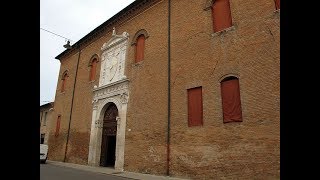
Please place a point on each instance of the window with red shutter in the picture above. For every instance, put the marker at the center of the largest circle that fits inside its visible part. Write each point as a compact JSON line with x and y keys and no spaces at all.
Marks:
{"x":231,"y":104}
{"x":195,"y":114}
{"x":221,"y":15}
{"x":277,"y":4}
{"x":140,"y":48}
{"x":93,"y":69}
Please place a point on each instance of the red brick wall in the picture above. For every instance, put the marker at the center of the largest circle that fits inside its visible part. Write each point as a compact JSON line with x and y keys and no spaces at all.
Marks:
{"x":242,"y":150}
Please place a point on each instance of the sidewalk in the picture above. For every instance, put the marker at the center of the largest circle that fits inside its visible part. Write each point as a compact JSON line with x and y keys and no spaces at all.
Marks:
{"x":113,"y":172}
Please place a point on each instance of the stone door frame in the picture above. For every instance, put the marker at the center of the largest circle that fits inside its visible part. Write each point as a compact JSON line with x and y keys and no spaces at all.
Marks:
{"x":117,"y":94}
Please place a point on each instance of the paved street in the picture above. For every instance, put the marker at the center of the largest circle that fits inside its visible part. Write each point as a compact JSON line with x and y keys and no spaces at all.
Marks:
{"x":52,"y":172}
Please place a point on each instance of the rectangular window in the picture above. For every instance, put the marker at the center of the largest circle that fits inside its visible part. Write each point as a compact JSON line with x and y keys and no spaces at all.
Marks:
{"x":58,"y":125}
{"x":42,"y":138}
{"x":221,"y":15}
{"x":231,"y":104}
{"x":195,"y":107}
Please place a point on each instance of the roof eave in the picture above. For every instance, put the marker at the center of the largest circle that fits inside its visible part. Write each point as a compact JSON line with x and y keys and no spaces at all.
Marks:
{"x":97,"y":29}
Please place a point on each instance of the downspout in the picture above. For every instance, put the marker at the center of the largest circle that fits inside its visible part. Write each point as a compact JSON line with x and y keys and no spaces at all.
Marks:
{"x":74,"y":86}
{"x":41,"y":118}
{"x":169,"y":97}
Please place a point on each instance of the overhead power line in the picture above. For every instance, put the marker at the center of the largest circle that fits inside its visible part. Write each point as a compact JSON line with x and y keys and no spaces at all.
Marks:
{"x":55,"y":34}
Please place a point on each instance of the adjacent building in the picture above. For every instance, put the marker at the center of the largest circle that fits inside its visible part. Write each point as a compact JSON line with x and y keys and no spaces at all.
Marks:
{"x":45,"y":120}
{"x":170,"y":87}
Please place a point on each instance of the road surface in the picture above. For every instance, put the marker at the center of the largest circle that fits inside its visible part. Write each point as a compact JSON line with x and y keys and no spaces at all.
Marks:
{"x":53,"y":172}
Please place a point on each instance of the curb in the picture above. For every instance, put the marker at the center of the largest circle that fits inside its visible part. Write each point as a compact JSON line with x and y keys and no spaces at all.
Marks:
{"x":112,"y":172}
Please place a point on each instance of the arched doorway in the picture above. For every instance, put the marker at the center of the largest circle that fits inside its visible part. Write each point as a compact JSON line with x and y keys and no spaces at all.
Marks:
{"x":109,"y":136}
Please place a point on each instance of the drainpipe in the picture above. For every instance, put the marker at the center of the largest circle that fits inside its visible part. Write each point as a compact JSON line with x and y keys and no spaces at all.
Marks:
{"x":169,"y":97}
{"x":41,"y":118}
{"x":74,"y":86}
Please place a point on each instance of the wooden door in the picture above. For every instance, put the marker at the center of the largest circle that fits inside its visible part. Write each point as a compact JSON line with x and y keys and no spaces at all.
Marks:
{"x":109,"y":132}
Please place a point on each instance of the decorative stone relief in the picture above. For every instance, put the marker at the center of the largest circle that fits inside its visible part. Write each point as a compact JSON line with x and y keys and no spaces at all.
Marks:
{"x":124,"y":98}
{"x":94,"y":102}
{"x":113,"y":88}
{"x":113,"y":61}
{"x":98,"y":124}
{"x":118,"y":120}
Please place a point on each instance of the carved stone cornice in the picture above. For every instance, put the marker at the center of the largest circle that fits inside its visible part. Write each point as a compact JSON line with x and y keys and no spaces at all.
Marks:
{"x":114,"y":89}
{"x":115,"y":40}
{"x":120,"y":82}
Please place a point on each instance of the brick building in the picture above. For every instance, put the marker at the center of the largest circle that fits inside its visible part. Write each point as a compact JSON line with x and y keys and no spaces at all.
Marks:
{"x":181,"y":88}
{"x":45,"y":121}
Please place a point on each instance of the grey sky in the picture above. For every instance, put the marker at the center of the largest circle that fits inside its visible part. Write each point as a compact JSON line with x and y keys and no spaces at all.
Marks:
{"x":72,"y":19}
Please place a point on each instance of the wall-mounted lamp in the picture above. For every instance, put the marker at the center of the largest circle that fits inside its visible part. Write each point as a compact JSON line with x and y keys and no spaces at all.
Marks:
{"x":67,"y":46}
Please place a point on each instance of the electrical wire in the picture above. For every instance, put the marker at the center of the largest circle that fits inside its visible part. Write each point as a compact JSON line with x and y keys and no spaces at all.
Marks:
{"x":56,"y":34}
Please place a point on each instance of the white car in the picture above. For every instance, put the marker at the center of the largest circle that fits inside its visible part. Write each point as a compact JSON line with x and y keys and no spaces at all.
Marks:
{"x":43,"y":153}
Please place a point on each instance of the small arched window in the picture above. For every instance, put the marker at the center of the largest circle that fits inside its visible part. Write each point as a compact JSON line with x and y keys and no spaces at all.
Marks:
{"x":277,"y":4}
{"x":139,"y":41}
{"x":93,"y":69}
{"x":140,"y":48}
{"x":221,"y":15}
{"x":64,"y":81}
{"x":230,"y":95}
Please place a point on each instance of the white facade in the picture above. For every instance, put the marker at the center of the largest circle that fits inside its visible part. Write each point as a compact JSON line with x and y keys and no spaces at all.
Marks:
{"x":113,"y":88}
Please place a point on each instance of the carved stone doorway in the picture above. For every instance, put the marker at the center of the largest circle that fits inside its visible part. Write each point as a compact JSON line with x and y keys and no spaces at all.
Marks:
{"x":109,"y":136}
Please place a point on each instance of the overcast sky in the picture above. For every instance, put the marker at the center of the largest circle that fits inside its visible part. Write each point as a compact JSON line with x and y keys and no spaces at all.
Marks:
{"x":72,"y":19}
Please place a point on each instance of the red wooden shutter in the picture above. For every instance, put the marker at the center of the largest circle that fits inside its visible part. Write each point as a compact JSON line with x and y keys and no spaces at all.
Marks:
{"x":231,"y":104}
{"x":140,"y":48}
{"x":93,"y":69}
{"x":277,"y":4}
{"x":195,"y":106}
{"x":221,"y":15}
{"x":58,"y":126}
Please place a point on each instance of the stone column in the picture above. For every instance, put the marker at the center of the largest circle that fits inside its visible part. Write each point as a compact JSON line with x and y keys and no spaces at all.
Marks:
{"x":93,"y":138}
{"x":117,"y":165}
{"x":98,"y":141}
{"x":121,"y":129}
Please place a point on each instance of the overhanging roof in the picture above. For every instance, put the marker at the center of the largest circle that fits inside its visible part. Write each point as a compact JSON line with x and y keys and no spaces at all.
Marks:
{"x":99,"y":28}
{"x":50,"y":104}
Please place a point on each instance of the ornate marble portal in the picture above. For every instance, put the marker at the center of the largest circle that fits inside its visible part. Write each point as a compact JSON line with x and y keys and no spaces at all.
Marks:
{"x":113,"y":88}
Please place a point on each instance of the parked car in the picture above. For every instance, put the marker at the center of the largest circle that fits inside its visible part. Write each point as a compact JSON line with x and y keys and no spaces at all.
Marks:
{"x":43,"y":153}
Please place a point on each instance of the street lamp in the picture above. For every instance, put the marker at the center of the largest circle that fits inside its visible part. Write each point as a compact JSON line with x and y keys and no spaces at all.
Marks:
{"x":67,"y":46}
